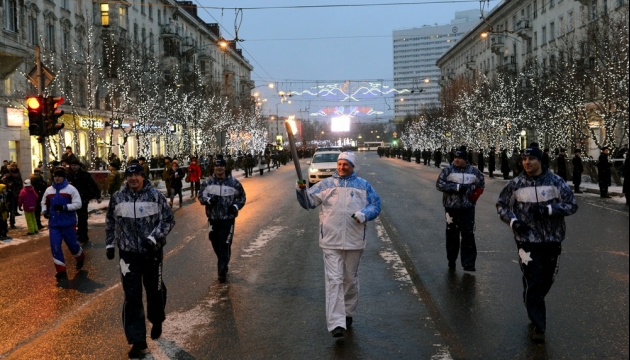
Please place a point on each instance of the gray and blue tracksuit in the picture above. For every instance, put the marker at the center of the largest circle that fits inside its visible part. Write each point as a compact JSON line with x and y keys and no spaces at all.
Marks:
{"x":539,"y":241}
{"x":460,"y":211}
{"x":132,"y":218}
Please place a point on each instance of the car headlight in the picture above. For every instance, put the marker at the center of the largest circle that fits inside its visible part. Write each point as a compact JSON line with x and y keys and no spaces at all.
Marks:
{"x":313,"y":170}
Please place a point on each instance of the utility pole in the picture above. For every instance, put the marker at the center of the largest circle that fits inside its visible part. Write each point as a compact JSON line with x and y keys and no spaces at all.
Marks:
{"x":39,"y":75}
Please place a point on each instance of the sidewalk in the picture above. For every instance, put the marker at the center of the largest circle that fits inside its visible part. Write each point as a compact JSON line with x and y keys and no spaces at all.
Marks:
{"x":97,"y":211}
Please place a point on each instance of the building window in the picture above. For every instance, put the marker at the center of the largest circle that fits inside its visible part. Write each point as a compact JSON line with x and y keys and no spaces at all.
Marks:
{"x":10,"y":15}
{"x":552,"y":3}
{"x":544,"y":35}
{"x":604,"y":6}
{"x":33,"y":34}
{"x":65,"y":41}
{"x":122,"y":17}
{"x":592,"y":10}
{"x":50,"y":37}
{"x":150,"y":11}
{"x":535,"y":39}
{"x":135,"y":33}
{"x":64,"y":4}
{"x":543,"y":8}
{"x":535,"y":9}
{"x":142,"y":7}
{"x":552,"y":31}
{"x":159,"y":17}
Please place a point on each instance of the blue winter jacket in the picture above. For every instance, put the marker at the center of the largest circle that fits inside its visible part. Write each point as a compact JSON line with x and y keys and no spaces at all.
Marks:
{"x":550,"y":191}
{"x":65,"y":195}
{"x":340,"y":198}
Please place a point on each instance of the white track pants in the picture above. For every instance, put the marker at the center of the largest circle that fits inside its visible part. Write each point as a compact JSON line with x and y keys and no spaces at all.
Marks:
{"x":342,"y":285}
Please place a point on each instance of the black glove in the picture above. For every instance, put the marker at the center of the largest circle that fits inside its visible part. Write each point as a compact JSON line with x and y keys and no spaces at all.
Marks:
{"x":46,"y":215}
{"x":58,"y":208}
{"x":233,"y":210}
{"x":519,"y":226}
{"x":539,"y":211}
{"x":149,"y":245}
{"x":213,"y":200}
{"x":463,"y":188}
{"x":111,"y":252}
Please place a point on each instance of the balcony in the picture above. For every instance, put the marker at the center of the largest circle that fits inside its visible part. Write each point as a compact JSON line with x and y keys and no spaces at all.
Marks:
{"x":169,"y":30}
{"x":188,"y":45}
{"x":497,"y":44}
{"x":523,"y":29}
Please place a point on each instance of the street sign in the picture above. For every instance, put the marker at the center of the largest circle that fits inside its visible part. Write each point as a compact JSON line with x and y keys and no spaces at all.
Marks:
{"x":49,"y":76}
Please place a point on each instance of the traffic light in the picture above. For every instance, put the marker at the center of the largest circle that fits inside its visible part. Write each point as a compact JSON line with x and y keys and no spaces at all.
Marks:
{"x":35,"y":106}
{"x":53,"y":113}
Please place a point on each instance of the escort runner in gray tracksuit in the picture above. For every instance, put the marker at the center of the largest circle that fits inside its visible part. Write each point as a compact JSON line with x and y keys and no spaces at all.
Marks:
{"x":534,"y":204}
{"x":138,"y":221}
{"x":223,"y":197}
{"x":461,"y":185}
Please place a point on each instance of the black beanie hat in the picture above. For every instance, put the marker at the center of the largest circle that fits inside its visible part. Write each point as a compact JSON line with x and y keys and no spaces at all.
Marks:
{"x":533,"y":150}
{"x":60,"y":172}
{"x":134,"y":168}
{"x":462,"y":153}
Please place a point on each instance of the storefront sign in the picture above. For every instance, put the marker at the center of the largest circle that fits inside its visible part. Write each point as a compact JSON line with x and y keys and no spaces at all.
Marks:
{"x":15,"y":117}
{"x":87,"y":124}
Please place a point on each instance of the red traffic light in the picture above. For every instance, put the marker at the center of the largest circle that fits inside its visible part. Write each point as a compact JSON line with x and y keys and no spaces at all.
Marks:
{"x":57,"y":101}
{"x":34,"y":103}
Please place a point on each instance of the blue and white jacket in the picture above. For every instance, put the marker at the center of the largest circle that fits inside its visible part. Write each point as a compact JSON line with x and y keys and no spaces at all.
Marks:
{"x":61,"y":194}
{"x":340,"y":198}
{"x":523,"y":192}
{"x":134,"y":216}
{"x":230,"y":193}
{"x":451,"y":178}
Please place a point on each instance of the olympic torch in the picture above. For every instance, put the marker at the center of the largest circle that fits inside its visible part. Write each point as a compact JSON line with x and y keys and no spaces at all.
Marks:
{"x":291,"y":130}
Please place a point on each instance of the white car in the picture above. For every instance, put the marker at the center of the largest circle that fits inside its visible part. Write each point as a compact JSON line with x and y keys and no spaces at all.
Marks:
{"x":323,"y":165}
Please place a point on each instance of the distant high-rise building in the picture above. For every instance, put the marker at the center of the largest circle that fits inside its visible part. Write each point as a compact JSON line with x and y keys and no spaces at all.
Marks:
{"x":415,"y":54}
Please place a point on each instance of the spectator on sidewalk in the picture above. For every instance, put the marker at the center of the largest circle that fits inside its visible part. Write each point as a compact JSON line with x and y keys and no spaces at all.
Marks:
{"x":113,"y":179}
{"x":603,"y":172}
{"x":39,"y":184}
{"x":27,"y":202}
{"x":88,"y":190}
{"x":578,"y":169}
{"x":165,"y":175}
{"x":176,"y":175}
{"x":492,"y":161}
{"x":4,"y":212}
{"x":194,"y":177}
{"x":14,"y":186}
{"x":562,"y":164}
{"x":143,"y":161}
{"x":626,"y":174}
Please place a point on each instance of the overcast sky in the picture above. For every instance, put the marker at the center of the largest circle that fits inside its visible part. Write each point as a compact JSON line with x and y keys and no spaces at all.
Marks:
{"x":298,"y":48}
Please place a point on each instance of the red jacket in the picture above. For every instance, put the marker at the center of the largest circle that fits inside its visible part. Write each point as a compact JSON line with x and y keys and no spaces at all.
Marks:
{"x":28,"y":199}
{"x":194,"y":172}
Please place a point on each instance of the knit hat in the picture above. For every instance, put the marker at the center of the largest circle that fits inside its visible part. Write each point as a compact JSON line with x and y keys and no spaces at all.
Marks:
{"x":347,"y":156}
{"x":27,"y":182}
{"x":59,"y":171}
{"x":533,"y":150}
{"x":134,"y":169}
{"x":220,"y":162}
{"x":461,"y":153}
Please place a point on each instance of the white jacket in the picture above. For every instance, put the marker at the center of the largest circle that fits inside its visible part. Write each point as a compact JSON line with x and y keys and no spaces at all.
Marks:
{"x":341,"y":198}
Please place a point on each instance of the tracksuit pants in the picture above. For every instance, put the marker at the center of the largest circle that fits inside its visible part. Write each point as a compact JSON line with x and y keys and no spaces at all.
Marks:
{"x":136,"y":270}
{"x":69,"y":236}
{"x":461,"y":222}
{"x":342,"y":285}
{"x":220,"y":235}
{"x":539,"y":265}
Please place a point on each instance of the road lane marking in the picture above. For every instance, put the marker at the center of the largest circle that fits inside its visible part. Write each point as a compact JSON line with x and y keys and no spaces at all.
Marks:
{"x":265,"y":235}
{"x":401,"y":274}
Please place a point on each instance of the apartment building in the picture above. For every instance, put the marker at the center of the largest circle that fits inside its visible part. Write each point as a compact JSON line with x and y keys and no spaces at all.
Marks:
{"x":415,"y":53}
{"x":66,"y":29}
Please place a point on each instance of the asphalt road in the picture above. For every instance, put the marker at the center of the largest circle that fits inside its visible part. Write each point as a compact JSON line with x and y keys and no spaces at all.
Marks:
{"x":411,"y":306}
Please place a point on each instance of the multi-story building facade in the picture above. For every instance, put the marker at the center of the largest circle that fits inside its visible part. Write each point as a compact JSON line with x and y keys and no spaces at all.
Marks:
{"x":415,"y":53}
{"x":78,"y":31}
{"x":517,"y":33}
